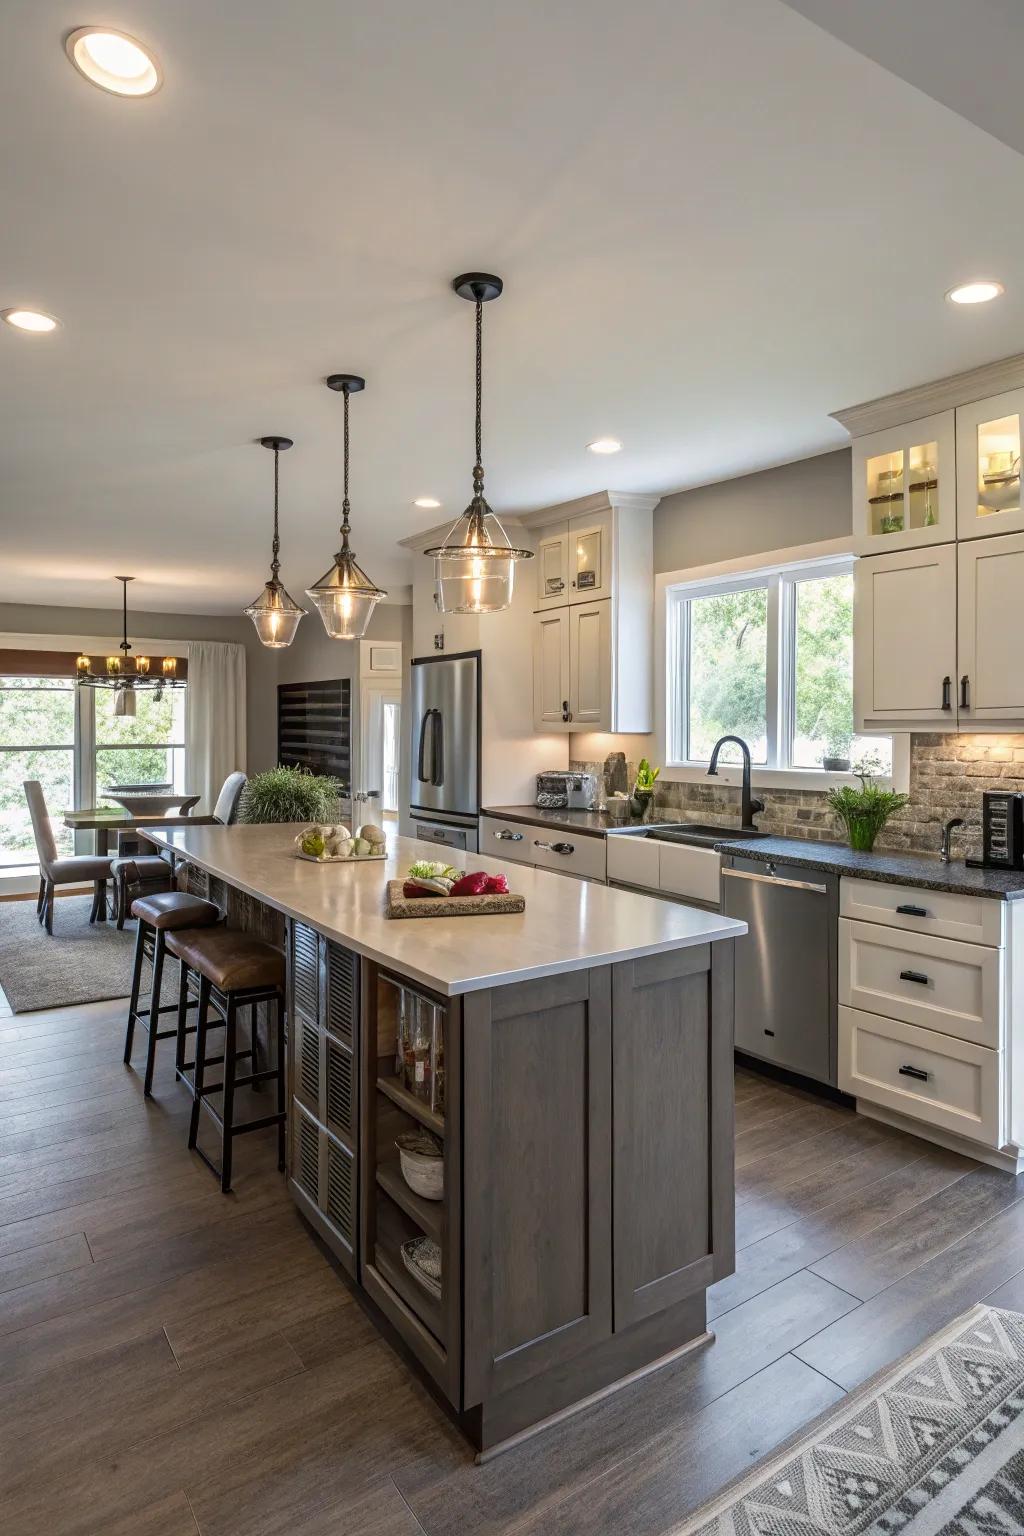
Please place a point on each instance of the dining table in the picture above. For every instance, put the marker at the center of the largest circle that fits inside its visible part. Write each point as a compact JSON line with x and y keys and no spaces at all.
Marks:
{"x":103,"y":820}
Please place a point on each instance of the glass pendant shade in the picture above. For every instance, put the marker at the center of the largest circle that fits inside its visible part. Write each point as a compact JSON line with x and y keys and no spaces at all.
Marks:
{"x":345,"y":596}
{"x":274,"y":613}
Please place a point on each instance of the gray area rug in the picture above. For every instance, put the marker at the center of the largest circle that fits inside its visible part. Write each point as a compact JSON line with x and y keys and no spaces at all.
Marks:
{"x":81,"y":963}
{"x":934,"y":1446}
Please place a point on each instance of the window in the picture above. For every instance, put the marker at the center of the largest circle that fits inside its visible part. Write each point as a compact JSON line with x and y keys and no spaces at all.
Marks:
{"x":146,"y":748}
{"x":768,"y":656}
{"x":37,"y":741}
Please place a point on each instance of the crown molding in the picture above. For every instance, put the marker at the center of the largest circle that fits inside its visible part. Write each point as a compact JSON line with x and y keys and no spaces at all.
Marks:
{"x":928,"y":399}
{"x":588,"y":506}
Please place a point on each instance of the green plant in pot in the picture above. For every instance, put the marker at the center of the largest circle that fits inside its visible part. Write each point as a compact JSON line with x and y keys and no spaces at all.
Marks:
{"x":836,"y":758}
{"x":643,"y":787}
{"x":288,"y":794}
{"x":864,"y":811}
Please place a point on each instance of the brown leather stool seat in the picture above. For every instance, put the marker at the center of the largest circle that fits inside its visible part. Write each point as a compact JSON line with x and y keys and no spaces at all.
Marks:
{"x":158,"y":914}
{"x":138,"y":875}
{"x":231,"y":961}
{"x":175,"y":909}
{"x":235,"y":972}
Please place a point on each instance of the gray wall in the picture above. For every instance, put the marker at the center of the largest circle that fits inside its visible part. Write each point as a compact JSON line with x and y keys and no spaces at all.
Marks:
{"x":310,"y":657}
{"x":795,"y":504}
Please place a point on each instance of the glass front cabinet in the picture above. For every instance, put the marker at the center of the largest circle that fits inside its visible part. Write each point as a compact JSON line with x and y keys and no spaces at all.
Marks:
{"x":904,"y":486}
{"x":988,"y":440}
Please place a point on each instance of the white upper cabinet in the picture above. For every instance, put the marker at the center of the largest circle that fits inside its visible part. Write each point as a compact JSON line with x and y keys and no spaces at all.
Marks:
{"x":904,"y":640}
{"x":594,"y":614}
{"x":990,"y":685}
{"x":988,"y":442}
{"x":904,"y":486}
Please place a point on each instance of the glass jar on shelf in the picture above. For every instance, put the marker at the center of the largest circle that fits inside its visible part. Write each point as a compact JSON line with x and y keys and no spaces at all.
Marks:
{"x":420,"y":1049}
{"x":438,"y":1074}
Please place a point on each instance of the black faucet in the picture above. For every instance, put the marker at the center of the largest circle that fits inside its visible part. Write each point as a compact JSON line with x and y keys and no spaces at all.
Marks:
{"x":947,"y":833}
{"x":748,"y":807}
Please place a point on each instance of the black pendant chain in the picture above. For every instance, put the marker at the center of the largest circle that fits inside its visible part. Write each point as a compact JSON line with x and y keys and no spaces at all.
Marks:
{"x":345,"y":526}
{"x":478,"y":468}
{"x":275,"y":563}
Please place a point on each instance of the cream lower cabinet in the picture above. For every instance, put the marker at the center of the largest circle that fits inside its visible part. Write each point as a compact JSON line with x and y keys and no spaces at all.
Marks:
{"x":930,"y":1031}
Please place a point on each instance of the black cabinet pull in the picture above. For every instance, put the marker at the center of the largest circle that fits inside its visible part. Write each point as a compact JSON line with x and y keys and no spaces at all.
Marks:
{"x":909,"y":911}
{"x":564,"y":848}
{"x":916,"y":1072}
{"x":947,"y":686}
{"x":770,"y":1032}
{"x":965,"y":684}
{"x":566,"y":711}
{"x":918,"y":976}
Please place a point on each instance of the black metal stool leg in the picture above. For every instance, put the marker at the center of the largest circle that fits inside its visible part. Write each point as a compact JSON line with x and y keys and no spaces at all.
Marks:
{"x":159,"y":945}
{"x":228,"y":1107}
{"x":40,"y":898}
{"x":121,"y":890}
{"x":281,"y":1137}
{"x":197,"y":1089}
{"x":133,"y":1001}
{"x":179,"y":1044}
{"x":254,"y":1042}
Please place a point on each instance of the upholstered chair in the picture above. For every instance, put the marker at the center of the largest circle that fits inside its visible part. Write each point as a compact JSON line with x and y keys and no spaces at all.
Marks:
{"x":55,"y":870}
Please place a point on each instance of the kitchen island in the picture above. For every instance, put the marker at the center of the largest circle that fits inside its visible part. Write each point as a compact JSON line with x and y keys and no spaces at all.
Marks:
{"x":578,"y":1080}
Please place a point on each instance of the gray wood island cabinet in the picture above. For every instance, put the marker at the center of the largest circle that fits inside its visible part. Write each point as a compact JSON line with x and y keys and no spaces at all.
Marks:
{"x":583,"y":1098}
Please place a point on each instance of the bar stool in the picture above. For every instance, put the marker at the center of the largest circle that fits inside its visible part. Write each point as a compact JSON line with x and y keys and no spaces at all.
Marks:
{"x":235,"y":971}
{"x":157,"y":916}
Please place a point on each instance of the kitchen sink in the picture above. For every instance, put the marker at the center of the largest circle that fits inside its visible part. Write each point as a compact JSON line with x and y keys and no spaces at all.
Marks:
{"x":701,"y":834}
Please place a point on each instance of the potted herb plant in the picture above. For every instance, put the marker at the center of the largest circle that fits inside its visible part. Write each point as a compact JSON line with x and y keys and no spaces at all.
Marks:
{"x":288,"y":794}
{"x":643,"y":787}
{"x":837,"y":755}
{"x":864,"y":811}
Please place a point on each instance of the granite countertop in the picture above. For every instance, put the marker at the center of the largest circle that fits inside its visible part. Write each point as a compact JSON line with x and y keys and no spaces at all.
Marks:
{"x":893,"y":868}
{"x":588,"y":823}
{"x":568,"y":925}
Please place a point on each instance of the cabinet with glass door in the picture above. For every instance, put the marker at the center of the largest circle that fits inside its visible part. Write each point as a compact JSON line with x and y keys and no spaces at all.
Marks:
{"x":988,"y":442}
{"x":904,"y":485}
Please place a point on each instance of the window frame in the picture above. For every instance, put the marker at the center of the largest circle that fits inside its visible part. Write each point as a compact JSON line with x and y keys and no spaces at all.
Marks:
{"x":779,"y":574}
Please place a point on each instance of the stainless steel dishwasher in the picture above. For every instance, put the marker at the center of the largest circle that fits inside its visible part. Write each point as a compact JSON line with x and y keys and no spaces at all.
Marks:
{"x":787,"y":965}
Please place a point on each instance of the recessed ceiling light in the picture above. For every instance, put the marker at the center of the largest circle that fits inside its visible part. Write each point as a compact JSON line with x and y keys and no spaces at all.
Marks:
{"x":430,"y":502}
{"x":605,"y":445}
{"x":29,"y":319}
{"x":982,"y":291}
{"x":113,"y":61}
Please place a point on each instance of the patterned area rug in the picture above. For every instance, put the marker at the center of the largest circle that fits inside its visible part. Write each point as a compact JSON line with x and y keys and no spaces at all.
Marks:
{"x":82,"y":963}
{"x":934,"y":1447}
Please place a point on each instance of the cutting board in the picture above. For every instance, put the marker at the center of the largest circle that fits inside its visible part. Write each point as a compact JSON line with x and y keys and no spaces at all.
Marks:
{"x":449,"y":906}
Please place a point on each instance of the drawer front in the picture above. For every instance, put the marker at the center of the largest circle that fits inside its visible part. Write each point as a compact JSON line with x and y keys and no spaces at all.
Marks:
{"x":693,"y":872}
{"x":567,"y":853}
{"x":943,"y":1082}
{"x":975,"y":919}
{"x":506,"y":840}
{"x":936,"y":983}
{"x":633,"y":860}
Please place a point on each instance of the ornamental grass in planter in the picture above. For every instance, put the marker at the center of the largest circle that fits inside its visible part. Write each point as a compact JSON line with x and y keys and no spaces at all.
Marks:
{"x":864,"y":811}
{"x":288,"y":794}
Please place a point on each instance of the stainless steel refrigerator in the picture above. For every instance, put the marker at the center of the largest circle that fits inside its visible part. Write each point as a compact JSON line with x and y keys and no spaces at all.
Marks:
{"x":444,"y":778}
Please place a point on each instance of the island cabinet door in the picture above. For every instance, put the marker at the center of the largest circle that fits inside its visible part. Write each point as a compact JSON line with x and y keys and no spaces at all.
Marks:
{"x":536,"y":1180}
{"x":672,"y":1116}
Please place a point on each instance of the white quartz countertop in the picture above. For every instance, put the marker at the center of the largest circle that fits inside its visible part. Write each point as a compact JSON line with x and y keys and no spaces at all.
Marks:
{"x":568,"y":925}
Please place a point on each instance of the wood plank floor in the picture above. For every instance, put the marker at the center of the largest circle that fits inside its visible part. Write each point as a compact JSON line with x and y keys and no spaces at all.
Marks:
{"x":173,"y":1362}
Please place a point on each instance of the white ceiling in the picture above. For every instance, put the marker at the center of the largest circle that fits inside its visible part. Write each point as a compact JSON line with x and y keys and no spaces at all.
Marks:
{"x":716,"y":223}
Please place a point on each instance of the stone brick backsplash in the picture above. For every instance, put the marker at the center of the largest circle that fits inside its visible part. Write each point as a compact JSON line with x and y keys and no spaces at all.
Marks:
{"x":947,"y":776}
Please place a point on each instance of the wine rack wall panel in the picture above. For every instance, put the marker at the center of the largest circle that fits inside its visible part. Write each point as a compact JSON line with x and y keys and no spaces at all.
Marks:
{"x":314,"y":727}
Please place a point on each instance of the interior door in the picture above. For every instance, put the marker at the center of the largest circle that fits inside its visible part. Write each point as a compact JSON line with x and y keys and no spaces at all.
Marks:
{"x":553,"y":568}
{"x":904,"y":640}
{"x":990,"y":684}
{"x":590,"y":662}
{"x":551,"y":705}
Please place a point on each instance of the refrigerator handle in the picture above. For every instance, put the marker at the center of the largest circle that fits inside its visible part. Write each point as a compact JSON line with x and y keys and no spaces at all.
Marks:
{"x":437,"y":778}
{"x":421,"y":769}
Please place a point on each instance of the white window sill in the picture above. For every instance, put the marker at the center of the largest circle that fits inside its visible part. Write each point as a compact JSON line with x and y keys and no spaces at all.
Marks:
{"x":765,"y":778}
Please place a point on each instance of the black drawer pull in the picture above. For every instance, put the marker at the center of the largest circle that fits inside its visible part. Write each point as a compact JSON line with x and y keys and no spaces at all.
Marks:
{"x":918,"y":1072}
{"x":770,"y":1032}
{"x":918,"y":976}
{"x":909,"y":911}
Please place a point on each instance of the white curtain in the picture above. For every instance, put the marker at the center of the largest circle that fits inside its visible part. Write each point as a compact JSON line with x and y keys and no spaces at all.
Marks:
{"x":214,"y":718}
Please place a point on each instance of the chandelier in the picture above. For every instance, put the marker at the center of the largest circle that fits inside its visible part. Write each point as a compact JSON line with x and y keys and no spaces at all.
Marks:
{"x":128,"y":674}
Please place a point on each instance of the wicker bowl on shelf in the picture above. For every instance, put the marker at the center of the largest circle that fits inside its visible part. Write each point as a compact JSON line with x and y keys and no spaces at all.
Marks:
{"x":421,"y":1157}
{"x":422,"y":1258}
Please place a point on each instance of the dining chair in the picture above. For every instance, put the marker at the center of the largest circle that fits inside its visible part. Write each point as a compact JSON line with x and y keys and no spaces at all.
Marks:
{"x":56,"y":870}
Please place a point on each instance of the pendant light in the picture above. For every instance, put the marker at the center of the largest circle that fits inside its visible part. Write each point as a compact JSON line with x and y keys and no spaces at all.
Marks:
{"x":475,"y":566}
{"x":345,"y":596}
{"x":125,"y":674}
{"x":275,"y":614}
